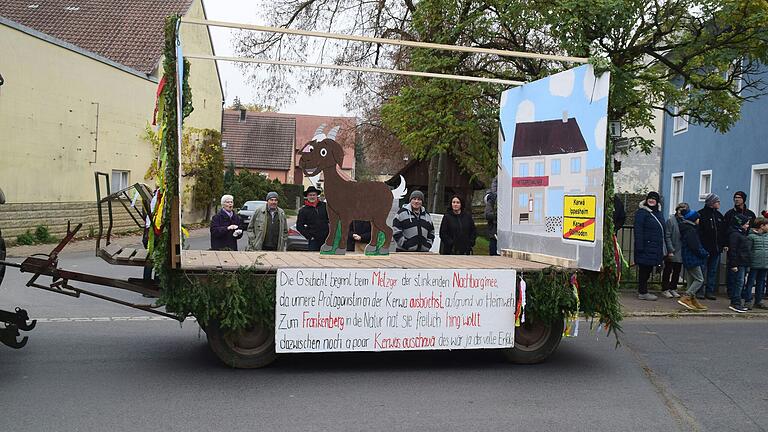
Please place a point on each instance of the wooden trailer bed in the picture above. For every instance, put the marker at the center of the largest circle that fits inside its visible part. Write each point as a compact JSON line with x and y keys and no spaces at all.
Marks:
{"x":199,"y":260}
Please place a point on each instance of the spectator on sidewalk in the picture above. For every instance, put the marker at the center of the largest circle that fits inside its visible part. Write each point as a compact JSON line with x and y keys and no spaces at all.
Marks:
{"x":758,"y":240}
{"x":225,"y":226}
{"x":490,"y":217}
{"x":412,"y":228}
{"x":673,"y":261}
{"x":739,"y":207}
{"x":457,"y":230}
{"x":738,"y":260}
{"x":649,"y":242}
{"x":312,"y":220}
{"x":713,"y":235}
{"x":268,"y":229}
{"x":694,"y":256}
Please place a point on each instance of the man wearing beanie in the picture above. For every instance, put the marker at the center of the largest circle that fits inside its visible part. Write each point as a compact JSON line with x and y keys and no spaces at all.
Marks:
{"x":694,"y":257}
{"x":268,"y":229}
{"x":712,"y":232}
{"x":412,"y":228}
{"x":649,"y":242}
{"x":739,"y":208}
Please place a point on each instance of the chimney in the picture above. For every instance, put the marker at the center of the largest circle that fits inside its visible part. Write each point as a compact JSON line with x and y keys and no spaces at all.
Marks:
{"x":242,"y":114}
{"x":565,"y":116}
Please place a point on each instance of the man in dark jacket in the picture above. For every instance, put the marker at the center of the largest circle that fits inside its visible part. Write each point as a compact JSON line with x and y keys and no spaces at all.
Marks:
{"x":225,"y":226}
{"x":712,"y":232}
{"x":739,"y":259}
{"x":619,"y":214}
{"x":649,"y":242}
{"x":359,"y":234}
{"x":312,"y":221}
{"x":739,"y":207}
{"x":490,"y":217}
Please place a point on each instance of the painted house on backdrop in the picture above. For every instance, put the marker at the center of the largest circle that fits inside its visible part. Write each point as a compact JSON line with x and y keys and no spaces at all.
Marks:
{"x":80,"y":80}
{"x":550,"y":158}
{"x":551,"y":167}
{"x":697,"y":160}
{"x":268,"y":142}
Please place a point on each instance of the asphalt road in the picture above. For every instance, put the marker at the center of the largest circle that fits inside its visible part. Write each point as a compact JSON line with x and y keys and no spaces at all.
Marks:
{"x":92,"y":366}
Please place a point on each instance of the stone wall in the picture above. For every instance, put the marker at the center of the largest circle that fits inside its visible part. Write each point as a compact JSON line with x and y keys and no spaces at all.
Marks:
{"x":16,"y":218}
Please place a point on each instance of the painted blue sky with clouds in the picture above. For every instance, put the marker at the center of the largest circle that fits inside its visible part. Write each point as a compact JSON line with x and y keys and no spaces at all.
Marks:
{"x":576,"y":91}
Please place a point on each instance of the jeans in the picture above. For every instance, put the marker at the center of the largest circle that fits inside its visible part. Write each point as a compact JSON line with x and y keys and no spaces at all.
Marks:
{"x":695,"y":279}
{"x":710,"y":270}
{"x":314,"y":244}
{"x":736,"y":284}
{"x":671,"y":275}
{"x":643,"y":274}
{"x":756,"y":278}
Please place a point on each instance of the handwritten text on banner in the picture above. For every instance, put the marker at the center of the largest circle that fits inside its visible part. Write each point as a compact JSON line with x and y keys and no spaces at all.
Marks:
{"x":393,"y":309}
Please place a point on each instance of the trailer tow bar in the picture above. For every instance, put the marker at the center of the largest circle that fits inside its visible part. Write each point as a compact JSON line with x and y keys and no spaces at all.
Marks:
{"x":47,"y":265}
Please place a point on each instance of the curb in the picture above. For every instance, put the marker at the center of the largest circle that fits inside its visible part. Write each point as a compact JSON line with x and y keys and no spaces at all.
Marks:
{"x":685,"y":314}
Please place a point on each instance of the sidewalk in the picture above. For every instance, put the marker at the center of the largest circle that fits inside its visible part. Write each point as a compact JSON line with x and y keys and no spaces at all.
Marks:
{"x":633,"y":307}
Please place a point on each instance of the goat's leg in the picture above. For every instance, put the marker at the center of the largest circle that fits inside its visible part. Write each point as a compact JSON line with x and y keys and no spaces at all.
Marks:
{"x":331,"y":247}
{"x":380,"y":226}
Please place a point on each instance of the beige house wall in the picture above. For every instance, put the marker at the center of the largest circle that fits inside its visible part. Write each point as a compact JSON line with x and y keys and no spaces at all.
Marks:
{"x":65,"y":115}
{"x":640,"y":172}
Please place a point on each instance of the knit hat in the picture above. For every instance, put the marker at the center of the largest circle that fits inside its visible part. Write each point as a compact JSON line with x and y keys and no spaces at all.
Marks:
{"x":742,"y":194}
{"x":653,"y":195}
{"x":711,"y":199}
{"x":417,"y":194}
{"x":740,"y":219}
{"x":765,"y":213}
{"x":691,"y":215}
{"x":271,"y":194}
{"x":682,"y":206}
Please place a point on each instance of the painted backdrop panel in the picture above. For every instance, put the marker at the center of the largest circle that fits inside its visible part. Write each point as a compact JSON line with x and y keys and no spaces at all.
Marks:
{"x":552,"y":166}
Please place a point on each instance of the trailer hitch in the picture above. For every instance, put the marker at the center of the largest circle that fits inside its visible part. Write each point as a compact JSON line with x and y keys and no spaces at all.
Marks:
{"x":15,"y":321}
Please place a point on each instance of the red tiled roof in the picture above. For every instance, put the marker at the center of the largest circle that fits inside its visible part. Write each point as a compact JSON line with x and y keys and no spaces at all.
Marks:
{"x":259,"y":142}
{"x":548,"y":138}
{"x":129,"y":32}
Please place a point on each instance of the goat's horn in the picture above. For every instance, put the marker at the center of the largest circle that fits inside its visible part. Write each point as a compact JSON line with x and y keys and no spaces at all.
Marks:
{"x":319,"y":129}
{"x":333,"y":132}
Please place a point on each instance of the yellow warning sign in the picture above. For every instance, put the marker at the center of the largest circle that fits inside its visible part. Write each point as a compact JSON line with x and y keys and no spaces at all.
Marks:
{"x":580,"y":206}
{"x":579,"y":213}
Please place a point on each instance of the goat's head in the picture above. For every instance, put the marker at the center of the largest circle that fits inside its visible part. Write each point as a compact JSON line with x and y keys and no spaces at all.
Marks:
{"x":321,"y":153}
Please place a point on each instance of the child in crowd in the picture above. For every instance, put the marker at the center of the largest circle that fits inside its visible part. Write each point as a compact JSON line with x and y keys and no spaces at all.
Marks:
{"x":758,"y":240}
{"x":694,"y":257}
{"x":738,"y":261}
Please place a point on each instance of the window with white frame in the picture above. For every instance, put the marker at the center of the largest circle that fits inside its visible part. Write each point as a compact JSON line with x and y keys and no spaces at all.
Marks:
{"x":676,"y":191}
{"x":523,"y":170}
{"x":758,"y":197}
{"x":120,"y":179}
{"x":705,"y":184}
{"x":575,"y":165}
{"x":680,"y":122}
{"x":538,"y":169}
{"x":735,"y":68}
{"x":555,"y":167}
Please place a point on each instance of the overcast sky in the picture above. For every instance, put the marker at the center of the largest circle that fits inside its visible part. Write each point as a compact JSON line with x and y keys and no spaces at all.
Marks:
{"x":328,"y":101}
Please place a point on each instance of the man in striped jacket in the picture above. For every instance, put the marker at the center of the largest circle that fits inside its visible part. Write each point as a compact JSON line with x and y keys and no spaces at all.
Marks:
{"x":413,"y":228}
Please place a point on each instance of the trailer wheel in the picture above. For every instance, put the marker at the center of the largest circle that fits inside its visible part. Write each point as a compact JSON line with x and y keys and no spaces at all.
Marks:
{"x":535,"y":341}
{"x":2,"y":258}
{"x":246,"y":349}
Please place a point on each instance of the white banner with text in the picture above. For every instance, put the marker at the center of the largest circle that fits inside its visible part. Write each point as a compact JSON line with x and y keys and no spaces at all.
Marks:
{"x":393,"y":309}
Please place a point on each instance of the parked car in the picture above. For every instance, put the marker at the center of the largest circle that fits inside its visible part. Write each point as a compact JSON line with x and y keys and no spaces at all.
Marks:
{"x":296,"y":241}
{"x":246,"y":213}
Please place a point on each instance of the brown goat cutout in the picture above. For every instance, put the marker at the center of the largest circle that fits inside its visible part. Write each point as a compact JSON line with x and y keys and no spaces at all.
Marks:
{"x":349,"y":200}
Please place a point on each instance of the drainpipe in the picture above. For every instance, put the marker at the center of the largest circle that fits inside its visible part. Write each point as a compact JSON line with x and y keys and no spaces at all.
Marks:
{"x":96,"y":140}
